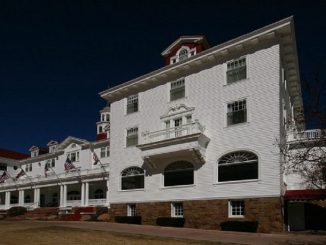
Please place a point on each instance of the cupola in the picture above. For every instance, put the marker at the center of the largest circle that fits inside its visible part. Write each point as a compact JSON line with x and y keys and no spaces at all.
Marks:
{"x":184,"y":48}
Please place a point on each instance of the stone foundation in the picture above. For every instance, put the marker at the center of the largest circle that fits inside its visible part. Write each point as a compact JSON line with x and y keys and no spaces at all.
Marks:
{"x":208,"y":214}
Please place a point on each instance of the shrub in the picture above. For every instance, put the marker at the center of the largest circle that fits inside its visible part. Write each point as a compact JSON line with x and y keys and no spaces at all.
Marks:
{"x":128,"y":219}
{"x":170,"y":221}
{"x":15,"y":211}
{"x":245,"y":226}
{"x":101,"y":210}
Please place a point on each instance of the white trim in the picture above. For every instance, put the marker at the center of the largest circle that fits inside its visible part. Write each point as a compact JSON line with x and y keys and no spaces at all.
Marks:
{"x":230,"y":215}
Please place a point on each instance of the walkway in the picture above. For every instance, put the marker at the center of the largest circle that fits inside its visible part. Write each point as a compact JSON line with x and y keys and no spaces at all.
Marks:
{"x":194,"y":234}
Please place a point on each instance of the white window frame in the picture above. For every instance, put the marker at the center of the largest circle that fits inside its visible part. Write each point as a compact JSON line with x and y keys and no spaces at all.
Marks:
{"x":177,"y":210}
{"x":76,"y":156}
{"x":232,"y":62}
{"x":131,"y":100}
{"x":190,"y":52}
{"x":129,"y":133}
{"x":233,"y":208}
{"x":105,"y":152}
{"x":227,"y":111}
{"x":131,"y":210}
{"x":175,"y":86}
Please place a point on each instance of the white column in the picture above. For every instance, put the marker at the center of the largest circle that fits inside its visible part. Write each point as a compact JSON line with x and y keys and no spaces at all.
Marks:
{"x":82,"y":198}
{"x":36,"y":197}
{"x":65,"y":195}
{"x":107,"y":201}
{"x":61,"y":195}
{"x":21,"y":198}
{"x":7,"y":200}
{"x":86,"y":193}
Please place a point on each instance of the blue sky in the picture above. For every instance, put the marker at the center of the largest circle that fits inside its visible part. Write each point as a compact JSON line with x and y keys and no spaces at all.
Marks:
{"x":56,"y":56}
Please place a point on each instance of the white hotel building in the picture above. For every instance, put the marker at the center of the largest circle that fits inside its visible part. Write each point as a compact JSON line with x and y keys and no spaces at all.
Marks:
{"x":194,"y":139}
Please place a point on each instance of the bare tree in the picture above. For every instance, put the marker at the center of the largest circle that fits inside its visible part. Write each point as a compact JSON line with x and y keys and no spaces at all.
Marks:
{"x":304,"y":152}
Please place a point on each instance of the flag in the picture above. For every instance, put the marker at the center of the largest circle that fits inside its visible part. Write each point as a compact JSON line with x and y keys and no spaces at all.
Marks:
{"x":20,"y":174}
{"x":3,"y":177}
{"x":46,"y":169}
{"x":69,"y":165}
{"x":95,"y":159}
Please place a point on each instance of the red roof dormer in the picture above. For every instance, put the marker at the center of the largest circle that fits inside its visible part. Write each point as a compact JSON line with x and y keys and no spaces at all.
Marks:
{"x":183,"y":48}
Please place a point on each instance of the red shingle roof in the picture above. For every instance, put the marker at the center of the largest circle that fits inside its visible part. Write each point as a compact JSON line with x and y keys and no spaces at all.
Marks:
{"x":12,"y":154}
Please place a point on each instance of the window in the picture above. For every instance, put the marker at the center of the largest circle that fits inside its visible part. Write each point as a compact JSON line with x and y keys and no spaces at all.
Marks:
{"x":132,"y":178}
{"x":3,"y":166}
{"x":105,"y":151}
{"x":237,"y":112}
{"x":28,"y":199}
{"x":73,"y":156}
{"x":132,"y":103}
{"x":73,"y":195}
{"x":131,"y":210}
{"x":100,"y":129}
{"x":50,"y":163}
{"x":239,"y":165}
{"x":236,"y":70}
{"x":132,"y":137}
{"x":183,"y":54}
{"x":236,"y":208}
{"x":99,"y":194}
{"x":179,"y":173}
{"x":177,"y":209}
{"x":177,"y":90}
{"x":28,"y":167}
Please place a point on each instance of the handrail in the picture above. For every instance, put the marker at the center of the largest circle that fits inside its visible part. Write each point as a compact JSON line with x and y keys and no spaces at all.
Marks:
{"x":174,"y":132}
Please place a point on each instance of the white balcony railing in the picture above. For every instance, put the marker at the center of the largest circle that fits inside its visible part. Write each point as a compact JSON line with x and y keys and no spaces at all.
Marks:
{"x":170,"y":133}
{"x":96,"y":202}
{"x":305,"y":135}
{"x":73,"y":203}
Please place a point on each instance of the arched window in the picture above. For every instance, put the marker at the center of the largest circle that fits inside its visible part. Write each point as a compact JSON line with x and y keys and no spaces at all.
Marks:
{"x":183,"y":54}
{"x":238,"y":165}
{"x":99,"y":194}
{"x":132,"y":178}
{"x":179,"y":173}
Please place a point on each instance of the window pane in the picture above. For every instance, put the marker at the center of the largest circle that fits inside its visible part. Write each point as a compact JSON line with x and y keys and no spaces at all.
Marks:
{"x":181,"y":177}
{"x":236,"y":70}
{"x":241,"y":171}
{"x":132,"y":182}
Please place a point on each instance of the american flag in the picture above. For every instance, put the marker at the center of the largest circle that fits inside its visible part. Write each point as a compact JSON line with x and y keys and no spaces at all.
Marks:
{"x":95,"y":159}
{"x":3,"y":177}
{"x":20,"y":174}
{"x":69,"y":165}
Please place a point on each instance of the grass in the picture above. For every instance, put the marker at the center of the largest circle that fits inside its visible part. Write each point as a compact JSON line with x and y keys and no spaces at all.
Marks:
{"x":47,"y":234}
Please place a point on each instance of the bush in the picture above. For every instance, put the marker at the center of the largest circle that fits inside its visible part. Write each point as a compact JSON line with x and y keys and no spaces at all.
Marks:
{"x":101,"y":210}
{"x":170,"y":221}
{"x":15,"y":211}
{"x":128,"y":219}
{"x":245,"y":226}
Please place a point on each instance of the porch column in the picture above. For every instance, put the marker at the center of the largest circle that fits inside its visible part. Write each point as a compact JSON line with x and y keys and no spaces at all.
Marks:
{"x":21,"y":198}
{"x":36,"y":197}
{"x":107,"y":201}
{"x":7,"y":200}
{"x":65,"y":195}
{"x":86,"y":193}
{"x":61,"y":195}
{"x":82,"y":198}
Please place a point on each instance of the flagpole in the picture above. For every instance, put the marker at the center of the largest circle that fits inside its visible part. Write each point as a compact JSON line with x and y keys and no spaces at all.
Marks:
{"x":56,"y":175}
{"x":102,"y":166}
{"x":29,"y":178}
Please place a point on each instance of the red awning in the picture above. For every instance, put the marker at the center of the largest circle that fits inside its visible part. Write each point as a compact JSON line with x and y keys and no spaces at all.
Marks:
{"x":305,"y":194}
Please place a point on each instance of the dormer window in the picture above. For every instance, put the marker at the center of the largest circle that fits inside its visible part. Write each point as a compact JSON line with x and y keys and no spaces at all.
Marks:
{"x":183,"y":54}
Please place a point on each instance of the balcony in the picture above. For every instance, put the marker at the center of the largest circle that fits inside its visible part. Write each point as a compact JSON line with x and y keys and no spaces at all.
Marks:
{"x":303,"y":136}
{"x":185,"y":141}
